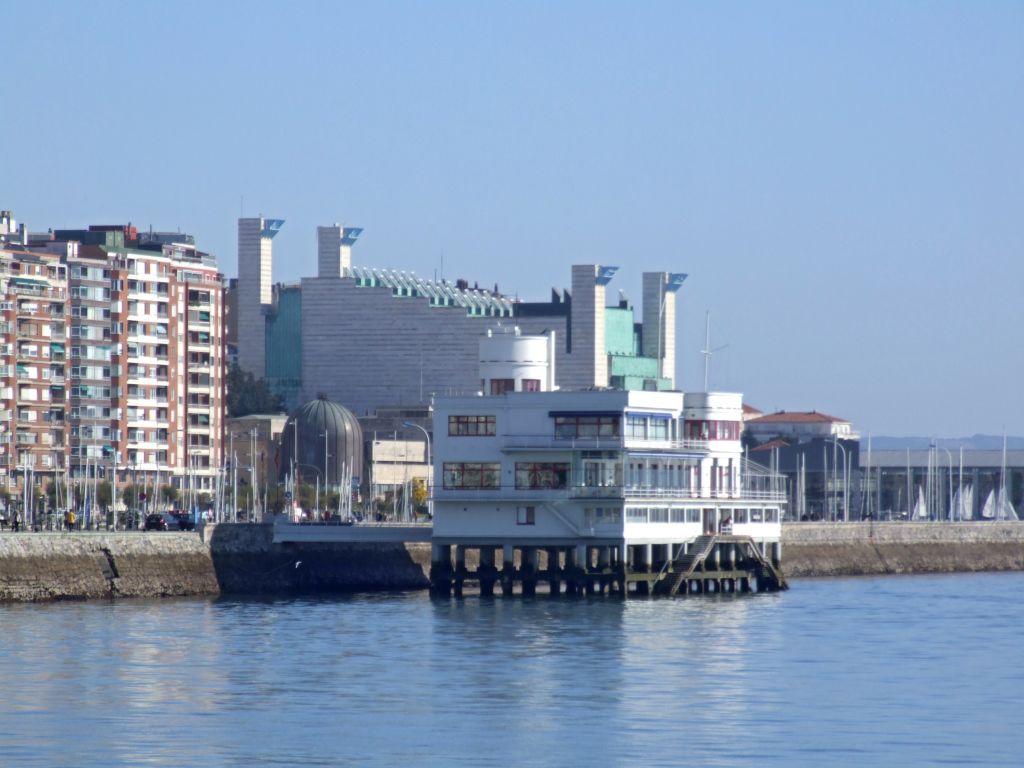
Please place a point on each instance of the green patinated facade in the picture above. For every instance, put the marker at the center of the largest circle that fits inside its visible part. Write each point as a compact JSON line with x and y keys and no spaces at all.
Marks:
{"x":627,"y":368}
{"x":284,"y":346}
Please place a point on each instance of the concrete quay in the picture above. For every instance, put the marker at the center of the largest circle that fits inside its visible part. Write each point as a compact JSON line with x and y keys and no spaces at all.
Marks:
{"x":245,"y":560}
{"x":878,"y":548}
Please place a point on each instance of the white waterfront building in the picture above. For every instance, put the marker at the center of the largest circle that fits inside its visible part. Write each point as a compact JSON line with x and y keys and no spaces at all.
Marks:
{"x":613,"y":482}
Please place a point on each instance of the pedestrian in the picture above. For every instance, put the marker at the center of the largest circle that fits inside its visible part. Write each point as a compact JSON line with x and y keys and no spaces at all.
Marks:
{"x":16,"y":523}
{"x":70,"y":519}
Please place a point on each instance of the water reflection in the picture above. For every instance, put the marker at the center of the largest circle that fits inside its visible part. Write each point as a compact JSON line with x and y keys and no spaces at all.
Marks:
{"x":909,"y":670}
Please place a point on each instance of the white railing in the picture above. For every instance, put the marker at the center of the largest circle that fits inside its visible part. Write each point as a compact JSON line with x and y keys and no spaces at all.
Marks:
{"x":512,"y":493}
{"x":527,"y":442}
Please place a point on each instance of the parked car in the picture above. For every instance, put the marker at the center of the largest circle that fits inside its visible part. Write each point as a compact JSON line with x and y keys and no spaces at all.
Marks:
{"x":185,"y":519}
{"x":162,"y":521}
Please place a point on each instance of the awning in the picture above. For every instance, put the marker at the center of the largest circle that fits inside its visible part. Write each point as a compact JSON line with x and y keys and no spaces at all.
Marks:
{"x":575,"y":414}
{"x":648,"y":415}
{"x":30,"y":283}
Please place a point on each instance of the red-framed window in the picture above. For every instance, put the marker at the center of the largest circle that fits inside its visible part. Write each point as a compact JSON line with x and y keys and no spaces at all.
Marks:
{"x":471,"y":426}
{"x":587,"y":425}
{"x":471,"y":475}
{"x":533,"y":475}
{"x":712,"y":430}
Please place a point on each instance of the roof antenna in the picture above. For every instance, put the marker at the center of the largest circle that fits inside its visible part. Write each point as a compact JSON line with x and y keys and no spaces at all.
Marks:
{"x":708,"y":351}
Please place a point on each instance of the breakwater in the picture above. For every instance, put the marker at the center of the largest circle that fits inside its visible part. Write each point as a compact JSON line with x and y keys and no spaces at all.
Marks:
{"x":231,"y":559}
{"x":243,"y":559}
{"x":872,"y":548}
{"x":63,"y":566}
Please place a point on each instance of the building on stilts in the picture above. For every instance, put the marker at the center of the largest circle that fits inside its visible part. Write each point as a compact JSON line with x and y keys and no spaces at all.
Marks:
{"x":601,"y":491}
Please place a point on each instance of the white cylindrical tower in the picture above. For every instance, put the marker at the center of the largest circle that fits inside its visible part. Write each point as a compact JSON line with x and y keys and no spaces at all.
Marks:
{"x":512,"y":362}
{"x":714,"y":419}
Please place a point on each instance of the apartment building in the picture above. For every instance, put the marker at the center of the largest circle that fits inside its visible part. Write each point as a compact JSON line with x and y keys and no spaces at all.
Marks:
{"x":33,"y":304}
{"x":146,"y":342}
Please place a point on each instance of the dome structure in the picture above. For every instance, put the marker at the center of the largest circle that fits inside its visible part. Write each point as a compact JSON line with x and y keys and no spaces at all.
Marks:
{"x":317,"y":428}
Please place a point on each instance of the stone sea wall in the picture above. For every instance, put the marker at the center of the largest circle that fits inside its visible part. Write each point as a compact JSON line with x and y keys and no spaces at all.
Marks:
{"x":230,"y":559}
{"x":60,"y":566}
{"x":242,"y":559}
{"x":246,"y":561}
{"x":857,"y":549}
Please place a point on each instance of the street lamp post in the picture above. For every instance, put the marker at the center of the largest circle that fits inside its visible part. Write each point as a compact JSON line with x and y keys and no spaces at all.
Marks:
{"x":430,"y":467}
{"x":296,"y":486}
{"x":846,"y":477}
{"x":949,"y":456}
{"x":327,"y":470}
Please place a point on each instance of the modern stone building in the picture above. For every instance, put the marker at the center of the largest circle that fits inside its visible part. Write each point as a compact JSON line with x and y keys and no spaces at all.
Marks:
{"x":370,"y":337}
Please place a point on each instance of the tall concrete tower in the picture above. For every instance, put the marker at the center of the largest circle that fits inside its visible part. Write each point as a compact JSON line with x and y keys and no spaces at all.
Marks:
{"x":334,"y":249}
{"x":659,"y":320}
{"x":587,"y":364}
{"x":255,"y":289}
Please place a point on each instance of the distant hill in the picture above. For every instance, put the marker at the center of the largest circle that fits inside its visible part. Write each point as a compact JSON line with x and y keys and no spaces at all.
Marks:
{"x":979,"y":442}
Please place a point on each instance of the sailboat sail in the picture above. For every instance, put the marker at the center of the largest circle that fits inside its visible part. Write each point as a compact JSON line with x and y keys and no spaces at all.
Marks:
{"x":989,"y":510}
{"x":1004,"y":508}
{"x":963,"y":503}
{"x":920,"y":506}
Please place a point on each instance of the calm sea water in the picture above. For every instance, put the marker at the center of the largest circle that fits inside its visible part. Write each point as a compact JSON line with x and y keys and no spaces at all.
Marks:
{"x":920,"y":670}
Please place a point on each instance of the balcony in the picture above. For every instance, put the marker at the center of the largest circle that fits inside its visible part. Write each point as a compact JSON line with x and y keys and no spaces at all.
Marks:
{"x":617,"y":492}
{"x":512,"y":443}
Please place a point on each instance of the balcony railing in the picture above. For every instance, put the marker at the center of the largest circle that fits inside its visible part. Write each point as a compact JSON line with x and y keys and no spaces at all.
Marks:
{"x":622,"y":492}
{"x":618,"y":443}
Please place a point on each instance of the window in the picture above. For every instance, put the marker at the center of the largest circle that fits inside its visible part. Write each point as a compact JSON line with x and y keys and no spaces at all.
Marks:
{"x":693,"y":515}
{"x":501,"y":386}
{"x":469,"y":475}
{"x":659,"y":515}
{"x":534,"y":475}
{"x":739,"y":516}
{"x":636,"y":515}
{"x":599,"y":515}
{"x":525,"y":516}
{"x":636,"y":426}
{"x":587,"y":426}
{"x":756,"y":515}
{"x":471,"y":426}
{"x":531,"y":385}
{"x":713,"y":430}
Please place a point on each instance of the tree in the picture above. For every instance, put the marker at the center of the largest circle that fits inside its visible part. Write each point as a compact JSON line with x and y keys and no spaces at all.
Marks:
{"x":104,"y":494}
{"x":331,"y":501}
{"x":275,"y":500}
{"x":307,"y":497}
{"x":247,"y":394}
{"x":130,"y":494}
{"x":419,"y":491}
{"x":169,"y":493}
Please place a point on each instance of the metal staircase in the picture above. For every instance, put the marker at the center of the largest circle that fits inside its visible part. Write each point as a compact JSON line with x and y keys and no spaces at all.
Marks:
{"x":685,"y":567}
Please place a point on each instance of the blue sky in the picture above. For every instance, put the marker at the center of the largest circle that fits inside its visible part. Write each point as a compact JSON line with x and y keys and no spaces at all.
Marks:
{"x":844,"y":182}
